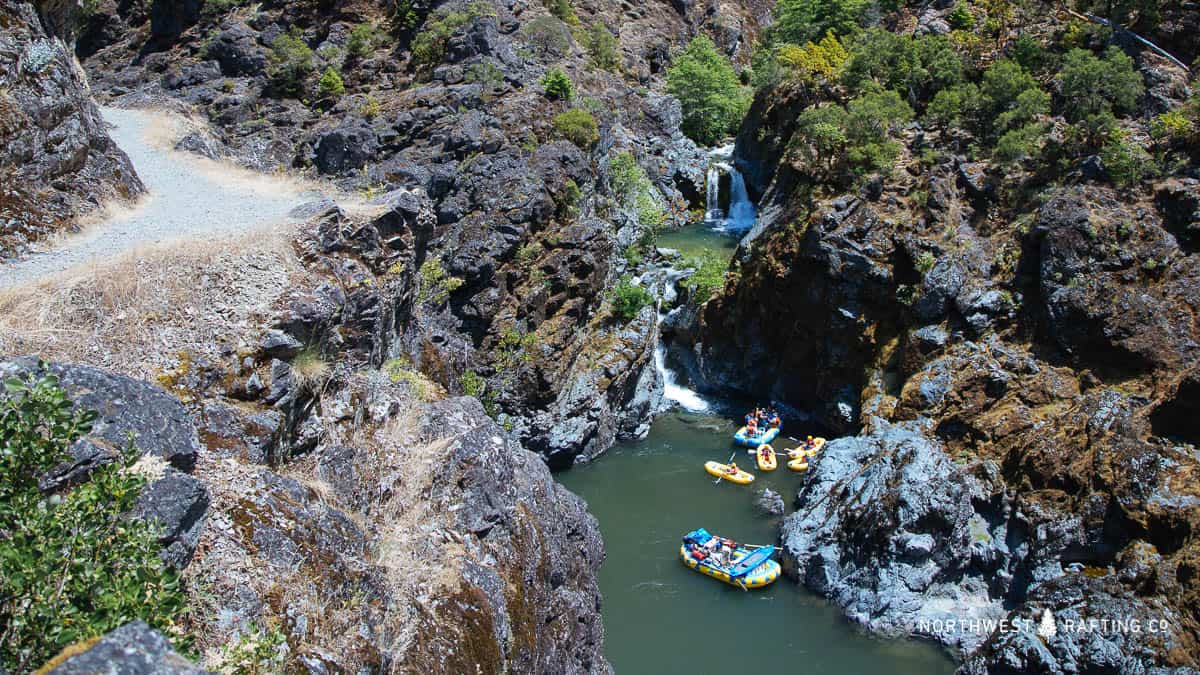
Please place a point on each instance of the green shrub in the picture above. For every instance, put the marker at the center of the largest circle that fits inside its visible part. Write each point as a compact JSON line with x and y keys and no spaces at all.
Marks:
{"x":1021,"y":143}
{"x":558,"y":85}
{"x":363,"y":39}
{"x":801,"y":21}
{"x":436,"y":285}
{"x":626,"y":176}
{"x":330,"y":87}
{"x":548,"y":35}
{"x":472,"y":384}
{"x":403,"y":16}
{"x":256,"y":652}
{"x":918,"y":66}
{"x":925,"y":262}
{"x":486,"y":74}
{"x":578,"y":126}
{"x":1124,"y":163}
{"x":628,"y":299}
{"x":1092,"y":86}
{"x":708,"y":277}
{"x":72,"y":567}
{"x":961,"y":17}
{"x":708,"y":88}
{"x":563,"y":11}
{"x":601,"y":45}
{"x":951,"y":107}
{"x":370,"y":108}
{"x":814,"y":62}
{"x":291,"y":62}
{"x":428,"y":47}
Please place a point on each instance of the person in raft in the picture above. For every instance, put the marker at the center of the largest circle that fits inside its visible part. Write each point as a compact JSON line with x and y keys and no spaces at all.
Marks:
{"x":809,"y":443}
{"x":762,"y":450}
{"x":732,"y":469}
{"x":773,"y":420}
{"x":752,"y":428}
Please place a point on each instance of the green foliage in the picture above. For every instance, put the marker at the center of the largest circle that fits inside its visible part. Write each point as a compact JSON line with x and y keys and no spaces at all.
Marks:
{"x":370,"y":108}
{"x":626,"y":176}
{"x":950,"y":107}
{"x":601,"y":46}
{"x":548,"y":35}
{"x":1124,"y":163}
{"x":708,"y":88}
{"x":330,"y":87}
{"x":558,"y":85}
{"x":1093,"y":86}
{"x":855,"y":139}
{"x":487,"y":75}
{"x":436,"y":285}
{"x":567,"y":200}
{"x":256,"y":652}
{"x":1180,"y":126}
{"x":429,"y":46}
{"x":961,"y":17}
{"x":578,"y":126}
{"x":1028,"y":52}
{"x":708,"y":277}
{"x":814,"y":62}
{"x":364,"y":37}
{"x":920,"y":66}
{"x":472,"y":384}
{"x":628,"y":299}
{"x":528,"y":253}
{"x":801,"y":21}
{"x":925,"y":262}
{"x":650,"y":211}
{"x":1020,"y":143}
{"x":71,"y":566}
{"x":291,"y":62}
{"x":403,"y":16}
{"x":563,"y":11}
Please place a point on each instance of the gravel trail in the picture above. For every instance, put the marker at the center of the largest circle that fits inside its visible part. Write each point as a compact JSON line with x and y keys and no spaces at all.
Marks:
{"x":188,"y":197}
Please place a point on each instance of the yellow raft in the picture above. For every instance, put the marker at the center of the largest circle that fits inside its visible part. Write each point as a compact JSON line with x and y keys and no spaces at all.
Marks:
{"x":722,"y":470}
{"x":762,"y":575}
{"x":798,"y":464}
{"x":802,"y":451}
{"x":766,"y":458}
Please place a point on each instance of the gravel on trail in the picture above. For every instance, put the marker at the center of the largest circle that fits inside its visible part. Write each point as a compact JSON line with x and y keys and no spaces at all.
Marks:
{"x":188,"y":197}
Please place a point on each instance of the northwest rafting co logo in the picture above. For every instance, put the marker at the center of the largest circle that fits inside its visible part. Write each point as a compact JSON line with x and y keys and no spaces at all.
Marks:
{"x":1047,"y":628}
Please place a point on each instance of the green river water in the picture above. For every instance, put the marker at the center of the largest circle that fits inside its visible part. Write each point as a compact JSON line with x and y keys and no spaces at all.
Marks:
{"x":661,"y":617}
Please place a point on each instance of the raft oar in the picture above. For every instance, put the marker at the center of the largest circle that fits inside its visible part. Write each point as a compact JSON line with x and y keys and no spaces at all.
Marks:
{"x":718,"y":480}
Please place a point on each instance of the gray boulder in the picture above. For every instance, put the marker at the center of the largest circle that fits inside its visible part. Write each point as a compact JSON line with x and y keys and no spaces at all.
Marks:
{"x":132,"y":649}
{"x":769,"y":502}
{"x":178,"y":502}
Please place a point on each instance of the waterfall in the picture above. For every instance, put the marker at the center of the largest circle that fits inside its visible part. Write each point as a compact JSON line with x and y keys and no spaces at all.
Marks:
{"x":672,"y":390}
{"x":741,"y":210}
{"x":713,"y":212}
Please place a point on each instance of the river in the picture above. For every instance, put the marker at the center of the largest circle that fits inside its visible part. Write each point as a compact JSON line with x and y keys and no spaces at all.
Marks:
{"x":659,"y":616}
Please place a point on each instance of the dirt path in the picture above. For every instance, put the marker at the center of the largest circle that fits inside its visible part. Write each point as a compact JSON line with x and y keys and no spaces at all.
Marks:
{"x":188,"y":197}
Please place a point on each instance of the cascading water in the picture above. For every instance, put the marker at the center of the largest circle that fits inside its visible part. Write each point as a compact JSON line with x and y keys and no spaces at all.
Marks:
{"x":672,"y":390}
{"x":742,"y":213}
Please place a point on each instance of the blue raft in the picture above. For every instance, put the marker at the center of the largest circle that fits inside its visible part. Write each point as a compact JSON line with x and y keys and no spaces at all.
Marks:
{"x":742,"y":438}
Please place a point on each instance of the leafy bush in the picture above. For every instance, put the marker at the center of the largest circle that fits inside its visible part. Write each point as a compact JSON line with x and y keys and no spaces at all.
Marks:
{"x":961,"y":17}
{"x":363,"y":40}
{"x":708,"y":88}
{"x":72,"y":566}
{"x":1124,"y":163}
{"x":601,"y":45}
{"x":1093,"y":86}
{"x":628,"y":299}
{"x":256,"y":652}
{"x":291,"y":62}
{"x":472,"y":384}
{"x":1180,"y":126}
{"x":1020,"y":143}
{"x":370,"y":108}
{"x":951,"y":107}
{"x":486,"y":74}
{"x":814,"y":62}
{"x":548,"y":35}
{"x":626,"y":176}
{"x":801,"y":21}
{"x":429,"y":46}
{"x":403,"y":16}
{"x":708,"y":277}
{"x":920,"y":66}
{"x":330,"y":87}
{"x":558,"y":85}
{"x":925,"y":262}
{"x":562,"y":10}
{"x":578,"y":126}
{"x":436,"y":285}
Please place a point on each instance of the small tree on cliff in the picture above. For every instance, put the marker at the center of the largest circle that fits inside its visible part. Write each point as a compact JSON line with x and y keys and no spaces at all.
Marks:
{"x":706,"y":85}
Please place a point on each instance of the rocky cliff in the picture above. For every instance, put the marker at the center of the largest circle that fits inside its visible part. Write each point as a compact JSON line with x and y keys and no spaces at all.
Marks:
{"x":416,"y":539}
{"x":1010,"y":349}
{"x":521,"y":231}
{"x":57,"y":160}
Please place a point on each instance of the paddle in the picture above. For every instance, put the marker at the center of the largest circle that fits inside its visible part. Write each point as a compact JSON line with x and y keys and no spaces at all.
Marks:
{"x":718,"y":480}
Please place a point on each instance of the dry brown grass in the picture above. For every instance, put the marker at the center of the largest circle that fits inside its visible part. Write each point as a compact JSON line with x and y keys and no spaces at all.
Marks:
{"x":135,"y":313}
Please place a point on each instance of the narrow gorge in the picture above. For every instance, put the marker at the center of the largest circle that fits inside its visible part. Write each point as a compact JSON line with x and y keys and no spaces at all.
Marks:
{"x":392,"y":336}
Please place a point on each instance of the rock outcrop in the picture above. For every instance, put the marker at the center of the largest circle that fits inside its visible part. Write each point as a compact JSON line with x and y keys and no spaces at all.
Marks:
{"x":56,"y":159}
{"x":132,"y":649}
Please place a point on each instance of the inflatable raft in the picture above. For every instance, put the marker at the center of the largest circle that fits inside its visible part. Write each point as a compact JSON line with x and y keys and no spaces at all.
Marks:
{"x":749,"y":566}
{"x":742,"y":438}
{"x":798,"y":464}
{"x":722,"y":470}
{"x":766,"y":458}
{"x":802,"y":452}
